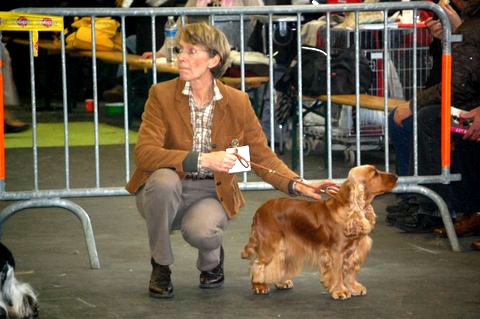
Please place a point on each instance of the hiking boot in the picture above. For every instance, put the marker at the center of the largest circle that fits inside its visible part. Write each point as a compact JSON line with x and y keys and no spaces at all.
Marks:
{"x":215,"y":277}
{"x":160,"y":285}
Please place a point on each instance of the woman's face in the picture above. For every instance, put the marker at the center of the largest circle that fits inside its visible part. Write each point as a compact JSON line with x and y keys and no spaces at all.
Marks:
{"x":194,"y":62}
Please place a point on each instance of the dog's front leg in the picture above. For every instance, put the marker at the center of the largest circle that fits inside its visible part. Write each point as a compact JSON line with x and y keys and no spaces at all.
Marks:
{"x":352,"y":265}
{"x":331,"y":274}
{"x":257,"y":271}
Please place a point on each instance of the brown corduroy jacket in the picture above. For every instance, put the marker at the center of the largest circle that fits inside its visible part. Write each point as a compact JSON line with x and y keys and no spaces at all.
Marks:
{"x":166,"y":138}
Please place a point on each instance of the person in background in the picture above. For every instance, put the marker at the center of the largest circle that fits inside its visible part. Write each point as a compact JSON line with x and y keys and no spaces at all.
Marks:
{"x":182,"y":179}
{"x":206,"y":3}
{"x":461,"y":196}
{"x":403,"y":136}
{"x":11,"y":124}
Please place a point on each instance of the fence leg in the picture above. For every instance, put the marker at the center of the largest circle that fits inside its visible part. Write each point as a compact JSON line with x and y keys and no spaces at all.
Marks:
{"x":57,"y":202}
{"x":442,"y":206}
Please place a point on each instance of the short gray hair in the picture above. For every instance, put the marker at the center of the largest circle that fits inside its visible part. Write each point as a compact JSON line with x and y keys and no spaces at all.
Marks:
{"x":212,"y":39}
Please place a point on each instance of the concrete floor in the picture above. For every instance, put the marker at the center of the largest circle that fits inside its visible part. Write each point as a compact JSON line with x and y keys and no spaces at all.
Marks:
{"x":407,"y":275}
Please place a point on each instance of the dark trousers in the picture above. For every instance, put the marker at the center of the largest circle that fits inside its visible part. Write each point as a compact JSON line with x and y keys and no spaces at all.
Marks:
{"x":459,"y":196}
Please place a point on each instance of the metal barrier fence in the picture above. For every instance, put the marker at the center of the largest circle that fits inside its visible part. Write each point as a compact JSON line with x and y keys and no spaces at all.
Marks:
{"x":58,"y":196}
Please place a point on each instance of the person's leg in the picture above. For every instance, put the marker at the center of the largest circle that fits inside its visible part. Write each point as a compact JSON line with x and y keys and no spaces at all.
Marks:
{"x":464,"y":193}
{"x":426,"y":216}
{"x":429,"y":156}
{"x":401,"y":138}
{"x":466,"y":199}
{"x":202,"y":227}
{"x":158,"y":202}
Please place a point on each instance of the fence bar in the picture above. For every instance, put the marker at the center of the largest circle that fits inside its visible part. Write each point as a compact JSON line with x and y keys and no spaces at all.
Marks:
{"x":34,"y":115}
{"x":2,"y":123}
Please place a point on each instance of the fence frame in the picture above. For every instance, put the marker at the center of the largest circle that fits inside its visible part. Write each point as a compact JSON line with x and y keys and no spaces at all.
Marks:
{"x":59,"y":197}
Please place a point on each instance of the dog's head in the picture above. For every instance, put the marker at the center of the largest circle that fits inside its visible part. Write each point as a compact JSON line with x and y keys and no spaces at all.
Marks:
{"x":364,"y":183}
{"x":6,"y":259}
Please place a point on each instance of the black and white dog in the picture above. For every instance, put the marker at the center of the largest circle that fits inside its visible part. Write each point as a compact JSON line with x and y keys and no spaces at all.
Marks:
{"x":17,"y":299}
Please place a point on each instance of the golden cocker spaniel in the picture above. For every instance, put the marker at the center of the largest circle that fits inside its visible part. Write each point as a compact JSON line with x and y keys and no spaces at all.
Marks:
{"x":330,"y":234}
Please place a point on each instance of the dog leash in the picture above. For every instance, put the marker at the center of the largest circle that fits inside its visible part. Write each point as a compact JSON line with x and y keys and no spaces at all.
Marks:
{"x":246,"y":163}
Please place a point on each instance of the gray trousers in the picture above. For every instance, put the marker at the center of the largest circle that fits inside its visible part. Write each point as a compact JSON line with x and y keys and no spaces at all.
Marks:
{"x":167,"y":202}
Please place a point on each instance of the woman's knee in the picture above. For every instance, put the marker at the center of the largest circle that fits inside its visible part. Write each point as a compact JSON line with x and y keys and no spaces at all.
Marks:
{"x":204,"y":225}
{"x":203,"y":238}
{"x":163,"y":180}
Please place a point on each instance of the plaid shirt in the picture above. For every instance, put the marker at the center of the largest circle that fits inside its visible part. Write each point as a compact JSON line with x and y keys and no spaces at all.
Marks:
{"x":201,"y":120}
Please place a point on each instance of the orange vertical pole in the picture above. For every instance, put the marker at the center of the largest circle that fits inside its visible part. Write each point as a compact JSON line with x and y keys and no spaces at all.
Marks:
{"x":2,"y":124}
{"x":446,"y":104}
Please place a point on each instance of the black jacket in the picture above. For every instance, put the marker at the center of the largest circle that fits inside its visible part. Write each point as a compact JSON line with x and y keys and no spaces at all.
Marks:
{"x":465,"y":65}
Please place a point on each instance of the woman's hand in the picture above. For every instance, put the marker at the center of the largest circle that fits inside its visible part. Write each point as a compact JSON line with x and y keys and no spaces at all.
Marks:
{"x":329,"y":187}
{"x":436,"y":27}
{"x":453,"y":16}
{"x":401,"y":113}
{"x":218,"y":161}
{"x":149,"y":55}
{"x":473,"y":132}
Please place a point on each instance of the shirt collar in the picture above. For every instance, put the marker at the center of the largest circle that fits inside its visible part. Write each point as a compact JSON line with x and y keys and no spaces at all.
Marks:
{"x":216,"y":91}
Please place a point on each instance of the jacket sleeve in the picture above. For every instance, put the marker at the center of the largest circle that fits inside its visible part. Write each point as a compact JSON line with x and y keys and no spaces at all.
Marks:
{"x":150,"y":151}
{"x":262,"y":154}
{"x":465,"y":72}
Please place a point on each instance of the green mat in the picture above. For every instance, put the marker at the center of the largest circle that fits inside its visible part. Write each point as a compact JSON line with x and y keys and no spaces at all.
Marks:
{"x":80,"y":134}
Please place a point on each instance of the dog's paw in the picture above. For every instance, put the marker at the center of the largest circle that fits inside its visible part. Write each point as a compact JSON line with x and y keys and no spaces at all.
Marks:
{"x":358,"y":289}
{"x":287,"y":284}
{"x":341,"y":294}
{"x":260,"y":288}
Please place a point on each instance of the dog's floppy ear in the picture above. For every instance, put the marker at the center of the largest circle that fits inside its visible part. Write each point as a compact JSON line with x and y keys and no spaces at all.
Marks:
{"x":357,"y":195}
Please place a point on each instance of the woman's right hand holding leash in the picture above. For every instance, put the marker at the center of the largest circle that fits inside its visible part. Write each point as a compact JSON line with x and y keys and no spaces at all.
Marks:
{"x":218,"y":161}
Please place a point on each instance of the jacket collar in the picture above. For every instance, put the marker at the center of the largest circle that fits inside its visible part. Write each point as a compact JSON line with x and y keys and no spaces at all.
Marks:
{"x":221,"y":107}
{"x":182,"y":99}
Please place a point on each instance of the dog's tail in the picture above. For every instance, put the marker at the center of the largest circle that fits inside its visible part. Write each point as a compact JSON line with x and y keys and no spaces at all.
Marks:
{"x":249,"y":251}
{"x":20,"y":296}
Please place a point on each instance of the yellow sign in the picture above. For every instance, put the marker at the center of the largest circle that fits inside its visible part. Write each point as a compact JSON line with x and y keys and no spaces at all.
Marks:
{"x":17,"y":21}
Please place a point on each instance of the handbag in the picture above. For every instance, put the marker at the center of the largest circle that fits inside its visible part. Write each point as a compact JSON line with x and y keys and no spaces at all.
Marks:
{"x":314,"y":72}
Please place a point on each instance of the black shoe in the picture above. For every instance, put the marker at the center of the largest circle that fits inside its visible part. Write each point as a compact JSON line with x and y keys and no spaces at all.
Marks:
{"x":15,"y":128}
{"x":215,"y":277}
{"x":160,"y":285}
{"x":419,"y":222}
{"x":401,"y":206}
{"x":406,"y":202}
{"x":400,"y":210}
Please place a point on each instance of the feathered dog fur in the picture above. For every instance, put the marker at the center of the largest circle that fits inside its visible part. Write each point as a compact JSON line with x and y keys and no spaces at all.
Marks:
{"x":332,"y":235}
{"x":17,"y":299}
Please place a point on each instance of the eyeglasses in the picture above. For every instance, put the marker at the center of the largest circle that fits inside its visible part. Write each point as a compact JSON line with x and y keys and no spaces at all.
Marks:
{"x":190,"y":51}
